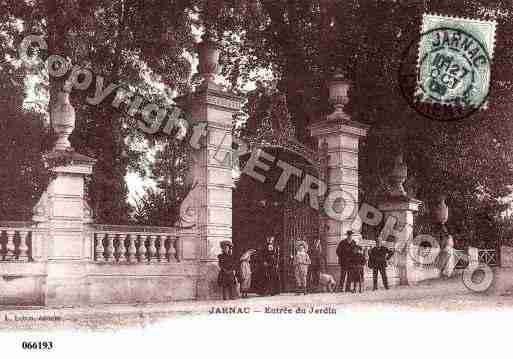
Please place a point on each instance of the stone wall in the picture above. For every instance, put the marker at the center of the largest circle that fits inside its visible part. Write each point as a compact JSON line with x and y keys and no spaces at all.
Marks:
{"x":96,"y":274}
{"x":145,"y":284}
{"x":21,"y":284}
{"x":92,"y":283}
{"x":507,"y":257}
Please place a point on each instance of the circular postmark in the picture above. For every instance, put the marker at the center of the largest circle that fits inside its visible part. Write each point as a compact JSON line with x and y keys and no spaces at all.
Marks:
{"x":445,"y":74}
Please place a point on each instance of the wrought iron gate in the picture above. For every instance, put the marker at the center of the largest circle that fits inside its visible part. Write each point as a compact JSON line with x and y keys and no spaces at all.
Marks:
{"x":300,"y":222}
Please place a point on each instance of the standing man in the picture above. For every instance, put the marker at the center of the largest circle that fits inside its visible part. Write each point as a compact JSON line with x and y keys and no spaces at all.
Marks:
{"x":344,"y":252}
{"x":378,"y":257}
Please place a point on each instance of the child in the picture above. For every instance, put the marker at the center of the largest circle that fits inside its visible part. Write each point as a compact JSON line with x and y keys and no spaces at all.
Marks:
{"x":226,"y":278}
{"x":357,"y":268}
{"x":245,"y":273}
{"x":301,"y":263}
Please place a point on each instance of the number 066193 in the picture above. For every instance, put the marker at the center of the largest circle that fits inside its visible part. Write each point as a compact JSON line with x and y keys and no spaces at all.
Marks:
{"x":37,"y":345}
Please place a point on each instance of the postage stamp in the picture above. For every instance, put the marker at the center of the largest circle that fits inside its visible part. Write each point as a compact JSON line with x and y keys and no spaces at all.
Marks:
{"x":454,"y":62}
{"x":446,"y":71}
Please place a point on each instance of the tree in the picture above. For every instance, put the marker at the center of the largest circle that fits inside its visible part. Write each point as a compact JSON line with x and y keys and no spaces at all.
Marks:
{"x":23,"y":176}
{"x":113,"y":40}
{"x":161,"y":206}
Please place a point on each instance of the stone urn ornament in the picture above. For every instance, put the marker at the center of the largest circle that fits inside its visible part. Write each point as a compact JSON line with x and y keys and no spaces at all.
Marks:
{"x":398,"y":176}
{"x":338,"y":95}
{"x":209,"y":52}
{"x":63,"y":121}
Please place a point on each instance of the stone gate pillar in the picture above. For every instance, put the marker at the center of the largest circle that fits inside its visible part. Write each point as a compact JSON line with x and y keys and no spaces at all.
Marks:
{"x":401,"y":210}
{"x":62,"y":213}
{"x":211,"y":111}
{"x":338,"y":137}
{"x":398,"y":214}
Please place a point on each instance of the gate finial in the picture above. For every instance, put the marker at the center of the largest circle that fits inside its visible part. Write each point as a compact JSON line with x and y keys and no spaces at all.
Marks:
{"x":397,"y":177}
{"x":208,"y":66}
{"x":63,"y":120}
{"x":338,"y":92}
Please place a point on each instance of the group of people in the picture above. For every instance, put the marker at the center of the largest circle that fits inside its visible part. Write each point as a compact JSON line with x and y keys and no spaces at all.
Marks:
{"x":235,"y":275}
{"x":352,"y":262}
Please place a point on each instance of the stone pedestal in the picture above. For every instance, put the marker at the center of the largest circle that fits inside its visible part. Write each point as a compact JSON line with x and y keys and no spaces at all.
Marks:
{"x":473,"y":255}
{"x":339,"y":138}
{"x":63,"y":212}
{"x":398,"y":217}
{"x":211,"y":170}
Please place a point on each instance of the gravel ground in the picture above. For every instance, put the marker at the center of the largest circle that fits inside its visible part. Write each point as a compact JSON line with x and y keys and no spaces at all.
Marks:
{"x":436,"y":295}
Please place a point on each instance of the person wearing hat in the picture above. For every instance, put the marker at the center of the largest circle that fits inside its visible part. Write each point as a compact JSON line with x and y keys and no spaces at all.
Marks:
{"x":344,"y":254}
{"x":227,"y":266}
{"x":378,"y":257}
{"x":245,"y":272}
{"x":357,"y":266}
{"x":270,"y":260}
{"x":314,"y":270}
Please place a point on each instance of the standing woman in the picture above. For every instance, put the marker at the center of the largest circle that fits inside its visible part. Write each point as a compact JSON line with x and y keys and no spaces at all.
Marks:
{"x":270,"y":261}
{"x":226,"y":278}
{"x":314,"y":270}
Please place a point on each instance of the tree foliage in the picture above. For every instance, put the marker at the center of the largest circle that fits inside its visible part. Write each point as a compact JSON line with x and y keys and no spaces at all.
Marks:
{"x":137,"y":44}
{"x":161,"y":205}
{"x":23,"y":175}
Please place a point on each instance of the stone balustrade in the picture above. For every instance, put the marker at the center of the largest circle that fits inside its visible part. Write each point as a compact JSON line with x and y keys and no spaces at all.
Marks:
{"x":462,"y":258}
{"x":488,"y":256}
{"x":135,"y":244}
{"x":16,"y":241}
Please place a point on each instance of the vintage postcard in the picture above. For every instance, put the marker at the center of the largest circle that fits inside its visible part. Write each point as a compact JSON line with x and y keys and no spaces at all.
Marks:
{"x":175,"y":170}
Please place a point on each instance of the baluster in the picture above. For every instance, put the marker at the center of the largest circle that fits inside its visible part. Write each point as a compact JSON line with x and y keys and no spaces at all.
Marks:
{"x":131,"y":249}
{"x":172,"y":249}
{"x":152,"y":249}
{"x":23,"y":248}
{"x":115,"y":248}
{"x":9,"y":248}
{"x":142,"y":248}
{"x":110,"y":248}
{"x":162,"y":248}
{"x":1,"y":244}
{"x":100,"y":250}
{"x":121,"y":248}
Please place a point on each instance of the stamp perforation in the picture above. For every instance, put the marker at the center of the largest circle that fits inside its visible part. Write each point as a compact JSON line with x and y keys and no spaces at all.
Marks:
{"x":493,"y":23}
{"x":488,"y":45}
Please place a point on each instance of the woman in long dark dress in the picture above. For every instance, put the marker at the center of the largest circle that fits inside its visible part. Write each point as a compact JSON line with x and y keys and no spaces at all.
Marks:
{"x":314,"y":270}
{"x":270,"y":260}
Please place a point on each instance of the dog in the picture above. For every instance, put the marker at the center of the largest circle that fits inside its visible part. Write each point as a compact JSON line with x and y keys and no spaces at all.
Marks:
{"x":327,"y":283}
